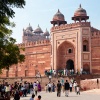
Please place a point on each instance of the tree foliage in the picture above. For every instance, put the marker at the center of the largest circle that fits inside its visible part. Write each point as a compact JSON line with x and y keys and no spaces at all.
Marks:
{"x":9,"y":52}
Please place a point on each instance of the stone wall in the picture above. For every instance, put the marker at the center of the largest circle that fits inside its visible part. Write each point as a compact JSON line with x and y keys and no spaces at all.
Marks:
{"x":89,"y":84}
{"x":37,"y":59}
{"x":95,"y":53}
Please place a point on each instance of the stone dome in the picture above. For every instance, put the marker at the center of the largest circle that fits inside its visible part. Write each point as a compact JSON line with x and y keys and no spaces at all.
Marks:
{"x":58,"y":16}
{"x":80,"y":12}
{"x":29,"y":28}
{"x":46,"y":33}
{"x":38,"y":30}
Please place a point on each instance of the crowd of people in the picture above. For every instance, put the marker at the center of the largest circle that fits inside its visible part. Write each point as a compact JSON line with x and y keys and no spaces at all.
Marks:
{"x":17,"y":90}
{"x":63,"y":72}
{"x":63,"y":86}
{"x":22,"y":89}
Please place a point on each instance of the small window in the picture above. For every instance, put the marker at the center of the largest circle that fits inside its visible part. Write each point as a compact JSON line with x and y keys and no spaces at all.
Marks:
{"x":85,"y":45}
{"x":69,"y":50}
{"x":84,"y":48}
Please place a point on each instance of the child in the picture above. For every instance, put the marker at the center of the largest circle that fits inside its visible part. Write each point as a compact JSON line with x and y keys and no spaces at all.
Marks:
{"x":78,"y":89}
{"x":46,"y":88}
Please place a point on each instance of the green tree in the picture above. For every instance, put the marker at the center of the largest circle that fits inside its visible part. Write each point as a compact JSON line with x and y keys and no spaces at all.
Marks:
{"x":9,"y":51}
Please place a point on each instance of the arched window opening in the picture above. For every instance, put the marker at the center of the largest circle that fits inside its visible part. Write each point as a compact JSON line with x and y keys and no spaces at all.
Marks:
{"x":70,"y":51}
{"x":85,"y":45}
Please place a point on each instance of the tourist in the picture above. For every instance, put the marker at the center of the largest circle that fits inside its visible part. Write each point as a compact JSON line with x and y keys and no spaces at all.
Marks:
{"x":77,"y":89}
{"x":31,"y":87}
{"x":50,"y":78}
{"x":46,"y":88}
{"x":17,"y":96}
{"x":39,"y":87}
{"x":39,"y":98}
{"x":53,"y":87}
{"x":62,"y":81}
{"x":75,"y":85}
{"x":81,"y":70}
{"x":64,"y":72}
{"x":49,"y":87}
{"x":71,"y":85}
{"x":66,"y":87}
{"x":58,"y":89}
{"x":72,"y":71}
{"x":72,"y":80}
{"x":32,"y":98}
{"x":55,"y":74}
{"x":35,"y":89}
{"x":98,"y":83}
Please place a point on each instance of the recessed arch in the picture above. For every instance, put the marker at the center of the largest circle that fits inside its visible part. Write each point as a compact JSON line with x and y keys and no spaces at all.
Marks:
{"x":63,"y":54}
{"x":85,"y":45}
{"x":70,"y":64}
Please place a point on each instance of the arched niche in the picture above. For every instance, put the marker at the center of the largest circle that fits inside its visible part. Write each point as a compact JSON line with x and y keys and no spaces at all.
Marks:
{"x":65,"y":51}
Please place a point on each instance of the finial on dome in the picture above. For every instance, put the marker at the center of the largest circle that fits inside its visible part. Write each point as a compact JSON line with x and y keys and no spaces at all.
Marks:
{"x":58,"y":11}
{"x":29,"y":24}
{"x":38,"y":25}
{"x":23,"y":29}
{"x":80,"y":6}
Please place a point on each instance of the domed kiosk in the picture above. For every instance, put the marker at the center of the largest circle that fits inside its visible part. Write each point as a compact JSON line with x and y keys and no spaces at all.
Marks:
{"x":29,"y":28}
{"x":46,"y":33}
{"x":38,"y":30}
{"x":80,"y":15}
{"x":58,"y":19}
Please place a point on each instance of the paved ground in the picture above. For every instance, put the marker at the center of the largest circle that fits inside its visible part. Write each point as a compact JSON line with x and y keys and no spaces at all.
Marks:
{"x":87,"y":95}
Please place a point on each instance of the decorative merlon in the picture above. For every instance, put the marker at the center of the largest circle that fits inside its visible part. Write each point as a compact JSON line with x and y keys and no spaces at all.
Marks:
{"x":69,"y":26}
{"x":36,"y":43}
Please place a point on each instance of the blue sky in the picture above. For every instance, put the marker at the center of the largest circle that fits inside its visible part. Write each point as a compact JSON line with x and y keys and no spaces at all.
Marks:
{"x":42,"y":11}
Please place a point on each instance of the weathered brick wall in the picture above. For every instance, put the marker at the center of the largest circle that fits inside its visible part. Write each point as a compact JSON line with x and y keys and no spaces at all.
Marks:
{"x":95,"y":54}
{"x":89,"y":84}
{"x":37,"y":58}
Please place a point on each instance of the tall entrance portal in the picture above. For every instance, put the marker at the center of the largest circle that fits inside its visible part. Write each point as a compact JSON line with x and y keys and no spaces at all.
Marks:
{"x":65,"y":56}
{"x":69,"y":64}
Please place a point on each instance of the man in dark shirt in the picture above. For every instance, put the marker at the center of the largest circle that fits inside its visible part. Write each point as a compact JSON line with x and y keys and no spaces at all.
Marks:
{"x":66,"y":87}
{"x":58,"y":89}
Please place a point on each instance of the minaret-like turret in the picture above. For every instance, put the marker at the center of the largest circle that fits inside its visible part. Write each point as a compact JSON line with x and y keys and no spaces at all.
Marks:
{"x":80,"y":15}
{"x":58,"y":19}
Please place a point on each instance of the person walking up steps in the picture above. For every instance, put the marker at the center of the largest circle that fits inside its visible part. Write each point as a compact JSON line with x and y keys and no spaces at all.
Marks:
{"x":66,"y":87}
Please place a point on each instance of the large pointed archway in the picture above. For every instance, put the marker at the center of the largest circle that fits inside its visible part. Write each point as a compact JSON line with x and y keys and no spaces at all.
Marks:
{"x":65,"y":52}
{"x":69,"y":64}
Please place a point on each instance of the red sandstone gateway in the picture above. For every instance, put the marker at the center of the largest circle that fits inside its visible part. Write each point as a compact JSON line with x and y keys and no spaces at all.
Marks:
{"x":70,"y":46}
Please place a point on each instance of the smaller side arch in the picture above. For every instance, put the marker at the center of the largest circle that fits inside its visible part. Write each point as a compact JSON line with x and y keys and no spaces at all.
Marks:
{"x":70,"y":64}
{"x":85,"y":45}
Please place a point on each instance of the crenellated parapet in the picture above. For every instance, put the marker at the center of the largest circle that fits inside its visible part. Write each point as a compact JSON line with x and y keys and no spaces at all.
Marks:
{"x":95,"y":34}
{"x":21,"y":45}
{"x":69,"y":26}
{"x":36,"y":43}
